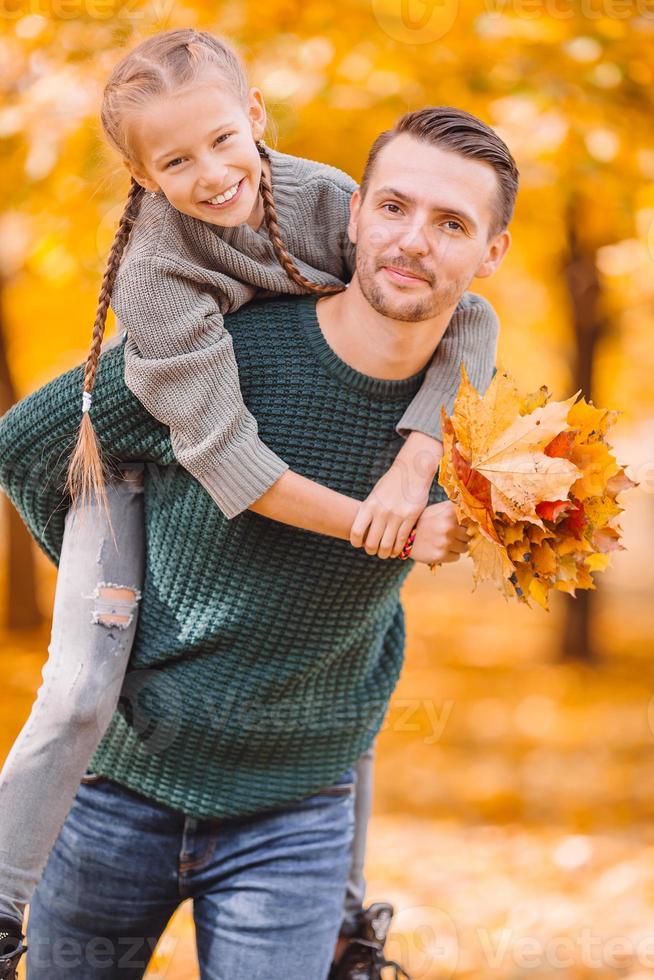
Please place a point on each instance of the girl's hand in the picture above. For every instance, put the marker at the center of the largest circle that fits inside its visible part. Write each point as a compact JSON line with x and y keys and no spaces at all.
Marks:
{"x":439,"y":536}
{"x":389,"y":514}
{"x":385,"y":518}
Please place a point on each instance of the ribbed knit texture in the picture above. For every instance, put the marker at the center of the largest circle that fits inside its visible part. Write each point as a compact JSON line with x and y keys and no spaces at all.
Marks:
{"x":265,"y":655}
{"x":180,"y":276}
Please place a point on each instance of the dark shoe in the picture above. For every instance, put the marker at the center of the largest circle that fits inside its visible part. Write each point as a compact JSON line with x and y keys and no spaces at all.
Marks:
{"x":11,"y":948}
{"x":364,"y":957}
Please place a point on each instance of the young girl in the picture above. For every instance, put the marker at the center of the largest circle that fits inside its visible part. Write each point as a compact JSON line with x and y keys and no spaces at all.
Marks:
{"x":213,"y":218}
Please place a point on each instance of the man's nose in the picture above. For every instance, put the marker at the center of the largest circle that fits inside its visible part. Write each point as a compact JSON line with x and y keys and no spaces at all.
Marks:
{"x":414,"y":239}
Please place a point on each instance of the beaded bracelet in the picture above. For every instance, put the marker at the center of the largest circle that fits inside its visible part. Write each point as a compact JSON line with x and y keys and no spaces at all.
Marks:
{"x":408,"y":544}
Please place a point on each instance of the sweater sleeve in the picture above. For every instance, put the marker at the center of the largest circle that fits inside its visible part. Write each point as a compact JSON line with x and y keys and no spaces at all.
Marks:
{"x":38,"y":435}
{"x":180,"y":363}
{"x":471,"y":337}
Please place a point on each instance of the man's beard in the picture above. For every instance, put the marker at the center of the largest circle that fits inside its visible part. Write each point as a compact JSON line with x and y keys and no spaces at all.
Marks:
{"x":405,"y":309}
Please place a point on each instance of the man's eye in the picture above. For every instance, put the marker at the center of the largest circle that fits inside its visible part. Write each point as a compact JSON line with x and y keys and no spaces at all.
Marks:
{"x":395,"y":208}
{"x":457,"y":224}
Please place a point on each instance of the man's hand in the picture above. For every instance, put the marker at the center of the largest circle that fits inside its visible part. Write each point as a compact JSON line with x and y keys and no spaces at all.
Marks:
{"x":439,"y":536}
{"x":385,"y":518}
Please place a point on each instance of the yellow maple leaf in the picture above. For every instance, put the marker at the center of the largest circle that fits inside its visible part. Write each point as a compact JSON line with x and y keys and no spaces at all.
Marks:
{"x":535,"y":431}
{"x":567,"y":545}
{"x":565,"y":587}
{"x":524,"y":576}
{"x":567,"y":570}
{"x":538,"y":534}
{"x":525,"y":478}
{"x":490,"y":561}
{"x":601,"y":510}
{"x":518,"y":550}
{"x":597,"y":562}
{"x":531,"y":586}
{"x":584,"y":578}
{"x":513,"y":533}
{"x":538,"y":591}
{"x":501,"y":504}
{"x":534,"y":400}
{"x":592,"y":422}
{"x":543,"y":558}
{"x":597,"y":465}
{"x":478,"y":420}
{"x":506,"y":447}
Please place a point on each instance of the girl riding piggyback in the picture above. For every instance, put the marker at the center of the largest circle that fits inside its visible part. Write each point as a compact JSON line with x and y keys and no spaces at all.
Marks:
{"x":213,"y":219}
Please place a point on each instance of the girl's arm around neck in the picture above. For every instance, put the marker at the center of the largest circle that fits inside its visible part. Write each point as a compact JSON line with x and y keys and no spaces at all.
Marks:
{"x":37,"y":436}
{"x":300,"y":502}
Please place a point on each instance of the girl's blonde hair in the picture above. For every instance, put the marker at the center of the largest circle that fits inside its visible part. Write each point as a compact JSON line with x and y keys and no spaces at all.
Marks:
{"x":158,"y":66}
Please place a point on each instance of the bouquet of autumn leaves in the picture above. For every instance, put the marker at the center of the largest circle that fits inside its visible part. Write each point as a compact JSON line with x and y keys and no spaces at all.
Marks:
{"x":536,"y":483}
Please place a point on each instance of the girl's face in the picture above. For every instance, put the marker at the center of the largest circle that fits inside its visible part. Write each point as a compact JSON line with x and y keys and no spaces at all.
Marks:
{"x":197,"y":147}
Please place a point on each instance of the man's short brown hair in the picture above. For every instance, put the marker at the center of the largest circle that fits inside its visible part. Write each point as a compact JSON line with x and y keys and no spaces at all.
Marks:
{"x":460,"y":132}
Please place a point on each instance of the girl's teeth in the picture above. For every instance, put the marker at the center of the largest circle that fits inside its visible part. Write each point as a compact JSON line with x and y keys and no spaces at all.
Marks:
{"x":227,"y":196}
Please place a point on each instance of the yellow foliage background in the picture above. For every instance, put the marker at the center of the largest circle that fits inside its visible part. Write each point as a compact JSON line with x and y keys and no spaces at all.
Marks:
{"x":513,"y":794}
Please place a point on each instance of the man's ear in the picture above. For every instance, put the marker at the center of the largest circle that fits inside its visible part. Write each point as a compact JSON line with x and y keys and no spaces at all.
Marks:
{"x":140,"y":177}
{"x":355,"y":207}
{"x":495,"y":252}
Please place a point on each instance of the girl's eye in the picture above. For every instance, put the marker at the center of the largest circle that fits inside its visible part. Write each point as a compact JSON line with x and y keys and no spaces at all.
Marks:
{"x":218,"y":139}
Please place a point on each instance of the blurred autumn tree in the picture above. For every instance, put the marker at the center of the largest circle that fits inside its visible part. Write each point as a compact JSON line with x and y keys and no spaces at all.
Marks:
{"x":569,"y":89}
{"x":49,"y":214}
{"x":21,"y":606}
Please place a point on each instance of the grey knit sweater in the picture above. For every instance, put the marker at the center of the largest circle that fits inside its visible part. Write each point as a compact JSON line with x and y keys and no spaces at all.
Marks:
{"x":180,"y":276}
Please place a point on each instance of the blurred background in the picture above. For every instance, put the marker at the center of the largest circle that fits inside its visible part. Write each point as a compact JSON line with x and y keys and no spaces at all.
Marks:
{"x":512,"y":826}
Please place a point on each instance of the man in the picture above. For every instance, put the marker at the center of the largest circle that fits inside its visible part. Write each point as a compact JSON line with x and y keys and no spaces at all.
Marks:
{"x":266,"y":655}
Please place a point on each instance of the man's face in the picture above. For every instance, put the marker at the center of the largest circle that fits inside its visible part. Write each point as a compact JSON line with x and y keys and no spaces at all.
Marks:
{"x":422,"y":229}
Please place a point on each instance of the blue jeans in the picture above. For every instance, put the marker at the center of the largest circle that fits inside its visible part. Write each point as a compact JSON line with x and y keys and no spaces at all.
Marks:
{"x":267,"y":890}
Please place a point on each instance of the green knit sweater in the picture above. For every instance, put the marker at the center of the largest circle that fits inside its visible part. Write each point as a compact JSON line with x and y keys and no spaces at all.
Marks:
{"x":265,"y":655}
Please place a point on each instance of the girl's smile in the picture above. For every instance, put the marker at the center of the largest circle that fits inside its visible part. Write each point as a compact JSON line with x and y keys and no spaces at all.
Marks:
{"x":198,"y":148}
{"x":228,"y":197}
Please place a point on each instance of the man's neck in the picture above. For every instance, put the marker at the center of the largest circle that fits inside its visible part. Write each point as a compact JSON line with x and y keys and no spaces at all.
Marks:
{"x":373,"y":343}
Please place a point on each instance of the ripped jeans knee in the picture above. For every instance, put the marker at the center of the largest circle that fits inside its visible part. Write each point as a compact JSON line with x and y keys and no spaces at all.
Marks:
{"x":96,"y":609}
{"x":114,"y":605}
{"x":101,"y":576}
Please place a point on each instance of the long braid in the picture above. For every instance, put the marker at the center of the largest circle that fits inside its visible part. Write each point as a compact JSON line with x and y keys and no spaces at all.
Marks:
{"x":86,"y":478}
{"x":283,"y":257}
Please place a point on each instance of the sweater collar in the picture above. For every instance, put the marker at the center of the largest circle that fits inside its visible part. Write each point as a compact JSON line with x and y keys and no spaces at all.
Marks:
{"x":379,"y":388}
